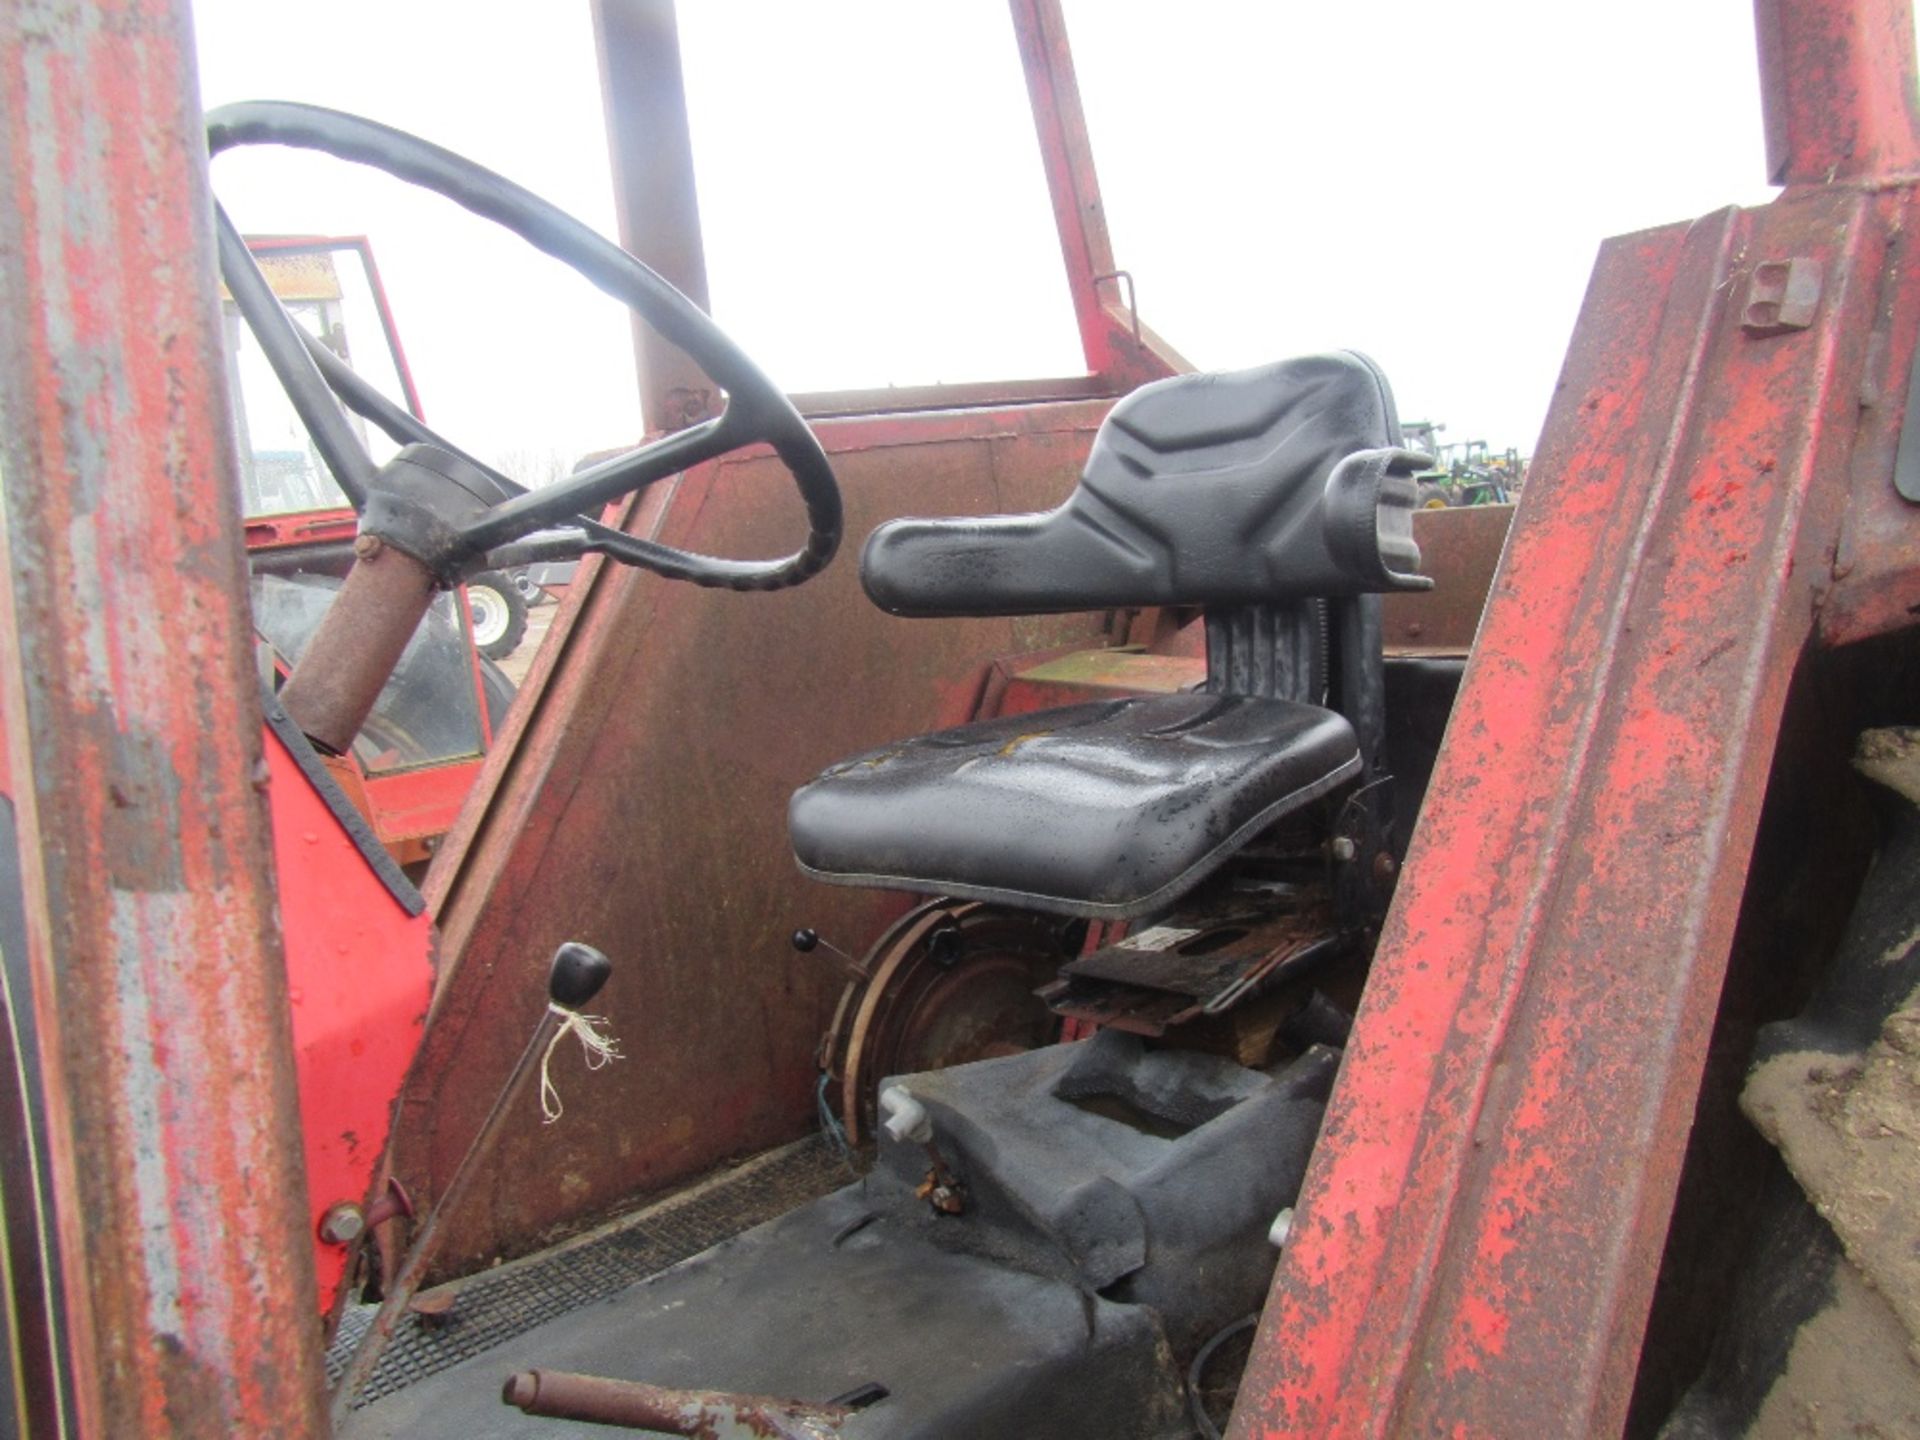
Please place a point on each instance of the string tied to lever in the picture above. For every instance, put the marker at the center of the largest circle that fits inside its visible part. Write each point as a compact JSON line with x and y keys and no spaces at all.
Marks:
{"x":599,"y":1045}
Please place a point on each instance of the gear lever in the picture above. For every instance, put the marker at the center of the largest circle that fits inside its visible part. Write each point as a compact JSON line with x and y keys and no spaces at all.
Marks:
{"x":577,"y":975}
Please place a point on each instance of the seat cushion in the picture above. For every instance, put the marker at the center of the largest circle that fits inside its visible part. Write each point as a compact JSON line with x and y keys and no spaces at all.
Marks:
{"x":1108,"y":810}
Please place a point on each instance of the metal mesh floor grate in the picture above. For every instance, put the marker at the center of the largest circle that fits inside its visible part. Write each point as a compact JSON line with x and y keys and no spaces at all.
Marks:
{"x":496,"y":1305}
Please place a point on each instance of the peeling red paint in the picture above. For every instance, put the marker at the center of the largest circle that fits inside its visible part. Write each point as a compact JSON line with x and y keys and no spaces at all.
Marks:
{"x":158,"y":995}
{"x":1477,"y":1239}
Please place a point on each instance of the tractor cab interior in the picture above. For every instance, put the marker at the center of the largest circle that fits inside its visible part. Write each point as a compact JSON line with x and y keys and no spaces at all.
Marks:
{"x":1137,"y":1066}
{"x":1080,"y":1221}
{"x":1276,"y":503}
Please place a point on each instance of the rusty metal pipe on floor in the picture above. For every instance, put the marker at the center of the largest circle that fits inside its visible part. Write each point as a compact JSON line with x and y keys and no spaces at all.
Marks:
{"x":710,"y":1414}
{"x":333,"y":687}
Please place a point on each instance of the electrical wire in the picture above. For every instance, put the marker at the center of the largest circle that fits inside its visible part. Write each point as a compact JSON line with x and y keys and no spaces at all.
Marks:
{"x":1196,"y":1406}
{"x":830,"y":1126}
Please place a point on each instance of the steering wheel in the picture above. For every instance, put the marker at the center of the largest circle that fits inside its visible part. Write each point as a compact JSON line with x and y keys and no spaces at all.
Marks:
{"x":435,"y":502}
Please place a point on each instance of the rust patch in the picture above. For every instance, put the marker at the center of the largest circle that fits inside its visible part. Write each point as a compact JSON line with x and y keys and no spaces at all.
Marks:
{"x":1019,"y":740}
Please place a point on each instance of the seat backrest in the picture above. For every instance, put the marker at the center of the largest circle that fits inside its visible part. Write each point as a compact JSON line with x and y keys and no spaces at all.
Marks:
{"x":1260,"y":487}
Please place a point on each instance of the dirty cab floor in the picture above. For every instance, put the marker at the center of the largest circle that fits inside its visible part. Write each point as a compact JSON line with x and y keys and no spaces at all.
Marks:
{"x":1116,"y":1206}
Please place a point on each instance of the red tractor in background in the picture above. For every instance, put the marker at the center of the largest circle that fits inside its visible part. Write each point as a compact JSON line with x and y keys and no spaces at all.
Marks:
{"x":420,"y":751}
{"x":1641,"y":860}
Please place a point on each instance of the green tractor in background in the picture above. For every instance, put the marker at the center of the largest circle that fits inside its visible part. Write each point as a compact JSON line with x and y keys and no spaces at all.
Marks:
{"x":1466,"y":472}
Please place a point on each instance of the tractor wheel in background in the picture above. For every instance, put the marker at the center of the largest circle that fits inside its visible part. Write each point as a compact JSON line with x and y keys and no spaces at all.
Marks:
{"x":499,"y":614}
{"x":1433,"y":497}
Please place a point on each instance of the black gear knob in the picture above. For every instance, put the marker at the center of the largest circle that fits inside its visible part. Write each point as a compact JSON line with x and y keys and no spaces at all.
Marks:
{"x":804,"y":940}
{"x":578,"y":973}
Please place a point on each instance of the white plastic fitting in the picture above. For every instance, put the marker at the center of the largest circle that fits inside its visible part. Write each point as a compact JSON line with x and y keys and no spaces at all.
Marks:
{"x":906,"y":1118}
{"x":1282,"y":1227}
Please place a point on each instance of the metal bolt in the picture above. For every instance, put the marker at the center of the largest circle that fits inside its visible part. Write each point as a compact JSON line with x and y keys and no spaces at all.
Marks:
{"x":395,"y":1202}
{"x":343,"y":1223}
{"x":367,"y":547}
{"x":1385,"y":867}
{"x":1344,"y":849}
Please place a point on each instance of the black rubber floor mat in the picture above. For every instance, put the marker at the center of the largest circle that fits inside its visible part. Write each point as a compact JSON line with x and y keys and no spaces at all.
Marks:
{"x":499,"y":1304}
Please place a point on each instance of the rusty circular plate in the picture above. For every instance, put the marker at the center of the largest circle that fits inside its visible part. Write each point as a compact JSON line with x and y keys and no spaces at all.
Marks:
{"x":952,"y":981}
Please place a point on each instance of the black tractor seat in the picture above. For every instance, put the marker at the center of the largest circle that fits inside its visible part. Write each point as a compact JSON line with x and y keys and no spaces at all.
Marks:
{"x":1108,"y":810}
{"x":1280,"y":500}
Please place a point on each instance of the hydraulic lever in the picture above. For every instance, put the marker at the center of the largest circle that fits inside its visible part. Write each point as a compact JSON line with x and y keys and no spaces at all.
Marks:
{"x":577,"y":975}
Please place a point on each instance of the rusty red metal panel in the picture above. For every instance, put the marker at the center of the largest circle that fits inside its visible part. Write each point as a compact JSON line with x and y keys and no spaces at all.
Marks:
{"x":651,"y":146}
{"x":1119,"y":349}
{"x":1838,"y":89}
{"x":1460,"y":548}
{"x":1876,"y":563}
{"x":418,"y":804}
{"x":994,"y":394}
{"x":1022,"y":686}
{"x":272,"y":532}
{"x":1877,"y":569}
{"x":1478,"y":1236}
{"x":158,"y":998}
{"x":637,"y":801}
{"x":1066,"y":153}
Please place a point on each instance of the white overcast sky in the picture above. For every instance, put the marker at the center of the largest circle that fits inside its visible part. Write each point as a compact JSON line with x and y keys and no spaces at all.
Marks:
{"x":1426,"y":182}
